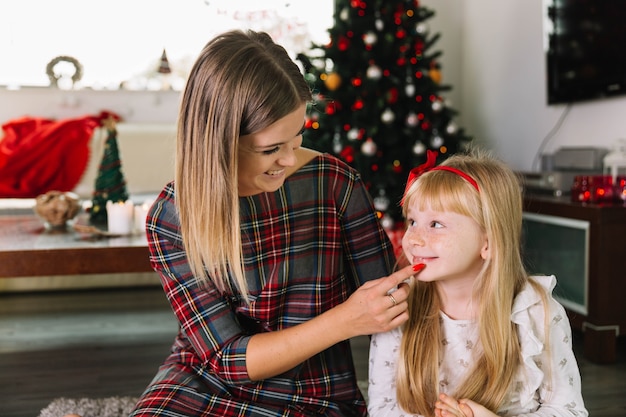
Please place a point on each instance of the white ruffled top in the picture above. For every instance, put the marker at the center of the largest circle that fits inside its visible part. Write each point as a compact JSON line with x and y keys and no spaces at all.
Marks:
{"x":536,"y":391}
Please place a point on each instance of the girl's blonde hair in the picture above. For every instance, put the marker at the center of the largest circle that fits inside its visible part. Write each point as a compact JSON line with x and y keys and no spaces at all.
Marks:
{"x":497,"y":207}
{"x":241,"y":83}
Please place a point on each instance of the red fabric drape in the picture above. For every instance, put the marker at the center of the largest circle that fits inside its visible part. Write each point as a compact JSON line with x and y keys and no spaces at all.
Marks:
{"x":38,"y":155}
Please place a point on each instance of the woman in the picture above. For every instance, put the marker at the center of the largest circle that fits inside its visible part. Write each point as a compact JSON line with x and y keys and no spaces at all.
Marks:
{"x":270,"y":254}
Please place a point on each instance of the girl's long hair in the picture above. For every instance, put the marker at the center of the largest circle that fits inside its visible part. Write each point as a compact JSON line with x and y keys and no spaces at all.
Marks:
{"x":497,"y":208}
{"x":241,"y":83}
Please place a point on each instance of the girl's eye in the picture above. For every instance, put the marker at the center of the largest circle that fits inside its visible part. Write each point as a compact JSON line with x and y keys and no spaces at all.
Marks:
{"x":271,"y":151}
{"x":301,"y":132}
{"x":435,"y":225}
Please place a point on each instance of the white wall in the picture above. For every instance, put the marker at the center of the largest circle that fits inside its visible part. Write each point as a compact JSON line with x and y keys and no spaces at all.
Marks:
{"x":503,"y":86}
{"x":492,"y":57}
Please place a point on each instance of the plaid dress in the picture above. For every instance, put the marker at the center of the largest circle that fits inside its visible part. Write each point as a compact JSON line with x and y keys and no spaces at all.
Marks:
{"x":306,"y":248}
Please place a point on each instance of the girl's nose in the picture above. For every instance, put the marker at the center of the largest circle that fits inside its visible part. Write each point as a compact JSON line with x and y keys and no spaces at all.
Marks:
{"x":414,"y":238}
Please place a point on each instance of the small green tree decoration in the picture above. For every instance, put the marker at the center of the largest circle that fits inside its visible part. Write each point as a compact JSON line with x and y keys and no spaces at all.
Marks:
{"x":110,"y":182}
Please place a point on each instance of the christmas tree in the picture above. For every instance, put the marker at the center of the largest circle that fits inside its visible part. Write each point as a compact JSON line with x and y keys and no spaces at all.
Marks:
{"x":377,"y":96}
{"x":110,"y":182}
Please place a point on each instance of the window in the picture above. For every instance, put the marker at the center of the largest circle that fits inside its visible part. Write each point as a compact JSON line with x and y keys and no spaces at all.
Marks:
{"x":121,"y":41}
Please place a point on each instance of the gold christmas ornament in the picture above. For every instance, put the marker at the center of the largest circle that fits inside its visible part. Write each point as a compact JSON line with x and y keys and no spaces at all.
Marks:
{"x":332,"y":81}
{"x":435,"y":75}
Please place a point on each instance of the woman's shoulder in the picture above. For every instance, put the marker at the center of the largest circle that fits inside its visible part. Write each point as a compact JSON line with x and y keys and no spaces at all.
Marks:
{"x":164,"y":206}
{"x":311,"y":161}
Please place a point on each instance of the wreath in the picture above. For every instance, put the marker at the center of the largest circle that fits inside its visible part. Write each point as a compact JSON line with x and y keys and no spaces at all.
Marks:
{"x":78,"y":69}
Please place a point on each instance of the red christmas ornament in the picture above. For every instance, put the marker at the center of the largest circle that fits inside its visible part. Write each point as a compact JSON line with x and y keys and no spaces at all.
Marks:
{"x":357,"y":82}
{"x":347,"y":154}
{"x":343,"y":43}
{"x":392,"y":95}
{"x":358,"y":104}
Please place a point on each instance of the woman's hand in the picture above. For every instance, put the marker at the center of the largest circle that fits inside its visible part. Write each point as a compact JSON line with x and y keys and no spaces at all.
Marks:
{"x":377,"y":306}
{"x":370,"y":309}
{"x":450,"y":407}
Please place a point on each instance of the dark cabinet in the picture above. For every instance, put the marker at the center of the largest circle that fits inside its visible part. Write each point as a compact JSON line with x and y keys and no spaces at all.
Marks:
{"x":594,"y":292}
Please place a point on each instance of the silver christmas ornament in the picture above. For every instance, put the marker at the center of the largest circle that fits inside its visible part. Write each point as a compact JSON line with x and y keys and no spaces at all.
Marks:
{"x":412,"y":120}
{"x":374,"y":72}
{"x":353,"y":134}
{"x":421,"y":28}
{"x":344,"y":14}
{"x":436,"y":141}
{"x":386,"y":222}
{"x":381,"y":201}
{"x":388,"y":116}
{"x":370,"y":38}
{"x":419,"y":148}
{"x":369,"y":147}
{"x":409,"y":89}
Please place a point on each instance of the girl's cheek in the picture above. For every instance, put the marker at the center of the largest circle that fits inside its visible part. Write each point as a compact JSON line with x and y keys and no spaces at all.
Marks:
{"x":406,"y":246}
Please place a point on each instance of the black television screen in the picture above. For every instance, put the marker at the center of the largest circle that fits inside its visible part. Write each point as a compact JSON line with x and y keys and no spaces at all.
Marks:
{"x":586,"y":54}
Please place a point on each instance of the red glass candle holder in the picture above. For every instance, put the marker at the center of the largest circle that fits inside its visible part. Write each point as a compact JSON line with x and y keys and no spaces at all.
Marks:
{"x":581,"y":189}
{"x":620,"y":189}
{"x":593,"y":189}
{"x":602,"y":189}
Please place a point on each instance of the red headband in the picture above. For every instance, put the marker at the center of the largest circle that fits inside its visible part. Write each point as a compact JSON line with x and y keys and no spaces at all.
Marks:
{"x":429,"y":165}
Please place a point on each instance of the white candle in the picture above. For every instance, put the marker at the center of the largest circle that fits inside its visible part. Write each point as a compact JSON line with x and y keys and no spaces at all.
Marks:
{"x":140,"y":217}
{"x":120,"y":217}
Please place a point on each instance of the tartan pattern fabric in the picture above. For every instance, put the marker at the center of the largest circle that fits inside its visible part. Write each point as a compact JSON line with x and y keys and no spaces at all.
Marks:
{"x":306,"y":248}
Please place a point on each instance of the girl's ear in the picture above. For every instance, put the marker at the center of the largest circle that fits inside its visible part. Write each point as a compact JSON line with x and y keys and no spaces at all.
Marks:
{"x":485,"y":253}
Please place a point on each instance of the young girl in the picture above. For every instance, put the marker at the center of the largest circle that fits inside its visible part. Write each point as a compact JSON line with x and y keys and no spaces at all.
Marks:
{"x":483,"y":338}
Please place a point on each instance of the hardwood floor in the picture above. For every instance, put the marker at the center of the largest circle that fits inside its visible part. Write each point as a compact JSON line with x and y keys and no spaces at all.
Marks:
{"x":102,"y":343}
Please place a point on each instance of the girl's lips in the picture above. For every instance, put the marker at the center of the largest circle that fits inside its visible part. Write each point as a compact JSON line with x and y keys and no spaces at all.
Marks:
{"x":418,"y":267}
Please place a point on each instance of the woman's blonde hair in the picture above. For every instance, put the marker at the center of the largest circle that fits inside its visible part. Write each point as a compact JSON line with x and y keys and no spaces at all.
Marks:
{"x":497,"y":207}
{"x":241,"y":83}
